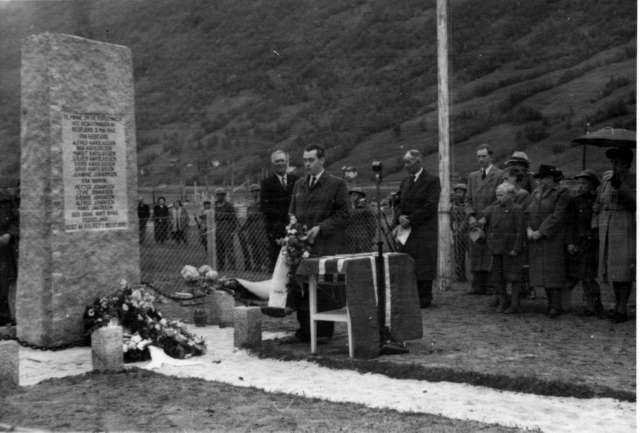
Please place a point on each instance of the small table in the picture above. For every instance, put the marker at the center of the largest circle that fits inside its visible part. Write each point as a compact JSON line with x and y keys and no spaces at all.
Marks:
{"x":402,"y":310}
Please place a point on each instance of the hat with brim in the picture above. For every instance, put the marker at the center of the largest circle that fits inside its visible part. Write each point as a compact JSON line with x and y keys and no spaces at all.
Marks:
{"x":517,"y":161}
{"x":518,"y":157}
{"x":221,"y":191}
{"x":589,"y":175}
{"x":461,"y":186}
{"x":357,"y":191}
{"x":546,"y":171}
{"x":620,"y":154}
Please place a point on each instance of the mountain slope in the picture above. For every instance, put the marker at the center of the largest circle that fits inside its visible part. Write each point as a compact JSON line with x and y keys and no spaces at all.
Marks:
{"x":232,"y":80}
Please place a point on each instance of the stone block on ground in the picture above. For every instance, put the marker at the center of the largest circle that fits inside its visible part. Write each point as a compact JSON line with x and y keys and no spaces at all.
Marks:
{"x":247,"y":326}
{"x":362,"y":307}
{"x":225,"y":304}
{"x":405,"y":321}
{"x":211,"y":307}
{"x":106,"y":349}
{"x":9,"y":362}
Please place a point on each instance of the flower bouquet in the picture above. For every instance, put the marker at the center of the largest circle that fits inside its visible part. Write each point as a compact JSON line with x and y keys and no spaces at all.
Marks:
{"x":134,"y":309}
{"x":199,"y":280}
{"x":295,"y":246}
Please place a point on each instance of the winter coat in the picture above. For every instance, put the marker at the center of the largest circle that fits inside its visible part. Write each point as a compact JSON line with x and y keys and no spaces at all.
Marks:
{"x":615,"y":218}
{"x":419,"y":202}
{"x":546,"y":212}
{"x":225,"y":219}
{"x":582,"y":265}
{"x":179,"y":219}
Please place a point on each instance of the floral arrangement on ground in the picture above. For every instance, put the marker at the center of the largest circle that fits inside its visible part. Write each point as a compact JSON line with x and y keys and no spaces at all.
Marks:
{"x":133,"y":308}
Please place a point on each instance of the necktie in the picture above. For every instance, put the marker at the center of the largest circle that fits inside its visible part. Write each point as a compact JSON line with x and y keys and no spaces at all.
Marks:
{"x":484,"y":174}
{"x":283,"y":181}
{"x":312,"y":182}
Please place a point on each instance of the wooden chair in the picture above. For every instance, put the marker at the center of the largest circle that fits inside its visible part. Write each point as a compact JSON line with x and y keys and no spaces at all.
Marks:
{"x":339,"y":315}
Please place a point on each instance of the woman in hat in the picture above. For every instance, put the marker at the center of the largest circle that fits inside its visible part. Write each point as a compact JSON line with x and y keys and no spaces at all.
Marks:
{"x":615,"y":208}
{"x":582,"y":242}
{"x":520,"y":160}
{"x":545,"y":216}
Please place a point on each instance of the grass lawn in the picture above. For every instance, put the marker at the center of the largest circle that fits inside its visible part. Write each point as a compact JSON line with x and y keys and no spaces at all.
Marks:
{"x":139,"y":400}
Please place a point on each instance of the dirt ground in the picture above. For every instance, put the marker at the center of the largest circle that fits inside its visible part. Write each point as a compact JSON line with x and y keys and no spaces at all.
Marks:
{"x":139,"y":400}
{"x":464,"y":340}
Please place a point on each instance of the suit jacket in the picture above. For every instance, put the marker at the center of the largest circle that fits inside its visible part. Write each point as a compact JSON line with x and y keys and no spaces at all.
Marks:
{"x":419,"y":202}
{"x":274,"y":204}
{"x":325,"y":205}
{"x":482,"y":192}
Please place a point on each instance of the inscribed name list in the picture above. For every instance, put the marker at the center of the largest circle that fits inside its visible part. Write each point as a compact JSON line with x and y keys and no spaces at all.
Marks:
{"x":94,"y":172}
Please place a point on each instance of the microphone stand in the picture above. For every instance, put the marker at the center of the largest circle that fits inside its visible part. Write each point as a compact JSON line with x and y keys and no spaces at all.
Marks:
{"x":388,"y":344}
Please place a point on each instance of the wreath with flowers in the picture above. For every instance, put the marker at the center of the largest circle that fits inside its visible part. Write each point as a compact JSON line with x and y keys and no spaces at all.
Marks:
{"x":133,"y":308}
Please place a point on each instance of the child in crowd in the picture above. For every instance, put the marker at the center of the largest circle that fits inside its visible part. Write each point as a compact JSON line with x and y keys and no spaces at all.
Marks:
{"x":505,"y":237}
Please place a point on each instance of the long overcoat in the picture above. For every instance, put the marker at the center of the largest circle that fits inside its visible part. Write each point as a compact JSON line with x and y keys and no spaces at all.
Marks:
{"x":615,"y":209}
{"x":419,"y":202}
{"x":582,"y":265}
{"x":546,"y":212}
{"x":480,"y":194}
{"x":326,"y":205}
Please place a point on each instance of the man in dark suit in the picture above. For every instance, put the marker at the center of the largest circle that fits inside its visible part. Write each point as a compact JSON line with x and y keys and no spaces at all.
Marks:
{"x":275,"y":197}
{"x":481,"y":192}
{"x":320,"y":202}
{"x":418,"y":210}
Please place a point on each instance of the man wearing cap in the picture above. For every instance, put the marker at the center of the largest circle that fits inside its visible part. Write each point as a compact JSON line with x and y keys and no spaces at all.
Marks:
{"x":275,"y":198}
{"x":615,"y":218}
{"x":226,"y":226}
{"x":320,"y":203}
{"x":252,"y":235}
{"x":459,"y":229}
{"x":545,"y":221}
{"x":481,"y":192}
{"x":582,"y":242}
{"x":521,"y":160}
{"x":201,"y":222}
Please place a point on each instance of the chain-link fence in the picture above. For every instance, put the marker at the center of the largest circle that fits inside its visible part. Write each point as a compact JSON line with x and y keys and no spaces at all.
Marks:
{"x":178,"y":233}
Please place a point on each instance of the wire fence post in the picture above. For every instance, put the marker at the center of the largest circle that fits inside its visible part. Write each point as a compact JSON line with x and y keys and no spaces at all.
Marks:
{"x":212,"y":256}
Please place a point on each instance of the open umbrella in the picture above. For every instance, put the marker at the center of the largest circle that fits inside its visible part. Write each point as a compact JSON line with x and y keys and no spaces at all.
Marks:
{"x":606,"y":137}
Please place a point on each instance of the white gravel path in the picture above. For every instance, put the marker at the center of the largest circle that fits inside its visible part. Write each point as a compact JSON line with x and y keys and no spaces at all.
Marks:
{"x":225,"y":364}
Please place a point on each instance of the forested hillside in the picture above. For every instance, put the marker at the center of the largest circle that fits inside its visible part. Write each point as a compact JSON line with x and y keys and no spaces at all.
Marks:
{"x":230,"y":80}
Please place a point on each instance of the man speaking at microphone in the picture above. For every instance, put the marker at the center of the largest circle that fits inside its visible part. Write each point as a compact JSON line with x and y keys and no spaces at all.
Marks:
{"x":319,"y":202}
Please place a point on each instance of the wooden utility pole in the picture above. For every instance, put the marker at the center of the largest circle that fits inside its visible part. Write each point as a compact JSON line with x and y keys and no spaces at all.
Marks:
{"x":445,"y":239}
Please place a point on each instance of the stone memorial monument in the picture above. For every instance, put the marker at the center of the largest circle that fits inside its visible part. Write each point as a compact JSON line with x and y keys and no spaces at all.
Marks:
{"x":78,"y":223}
